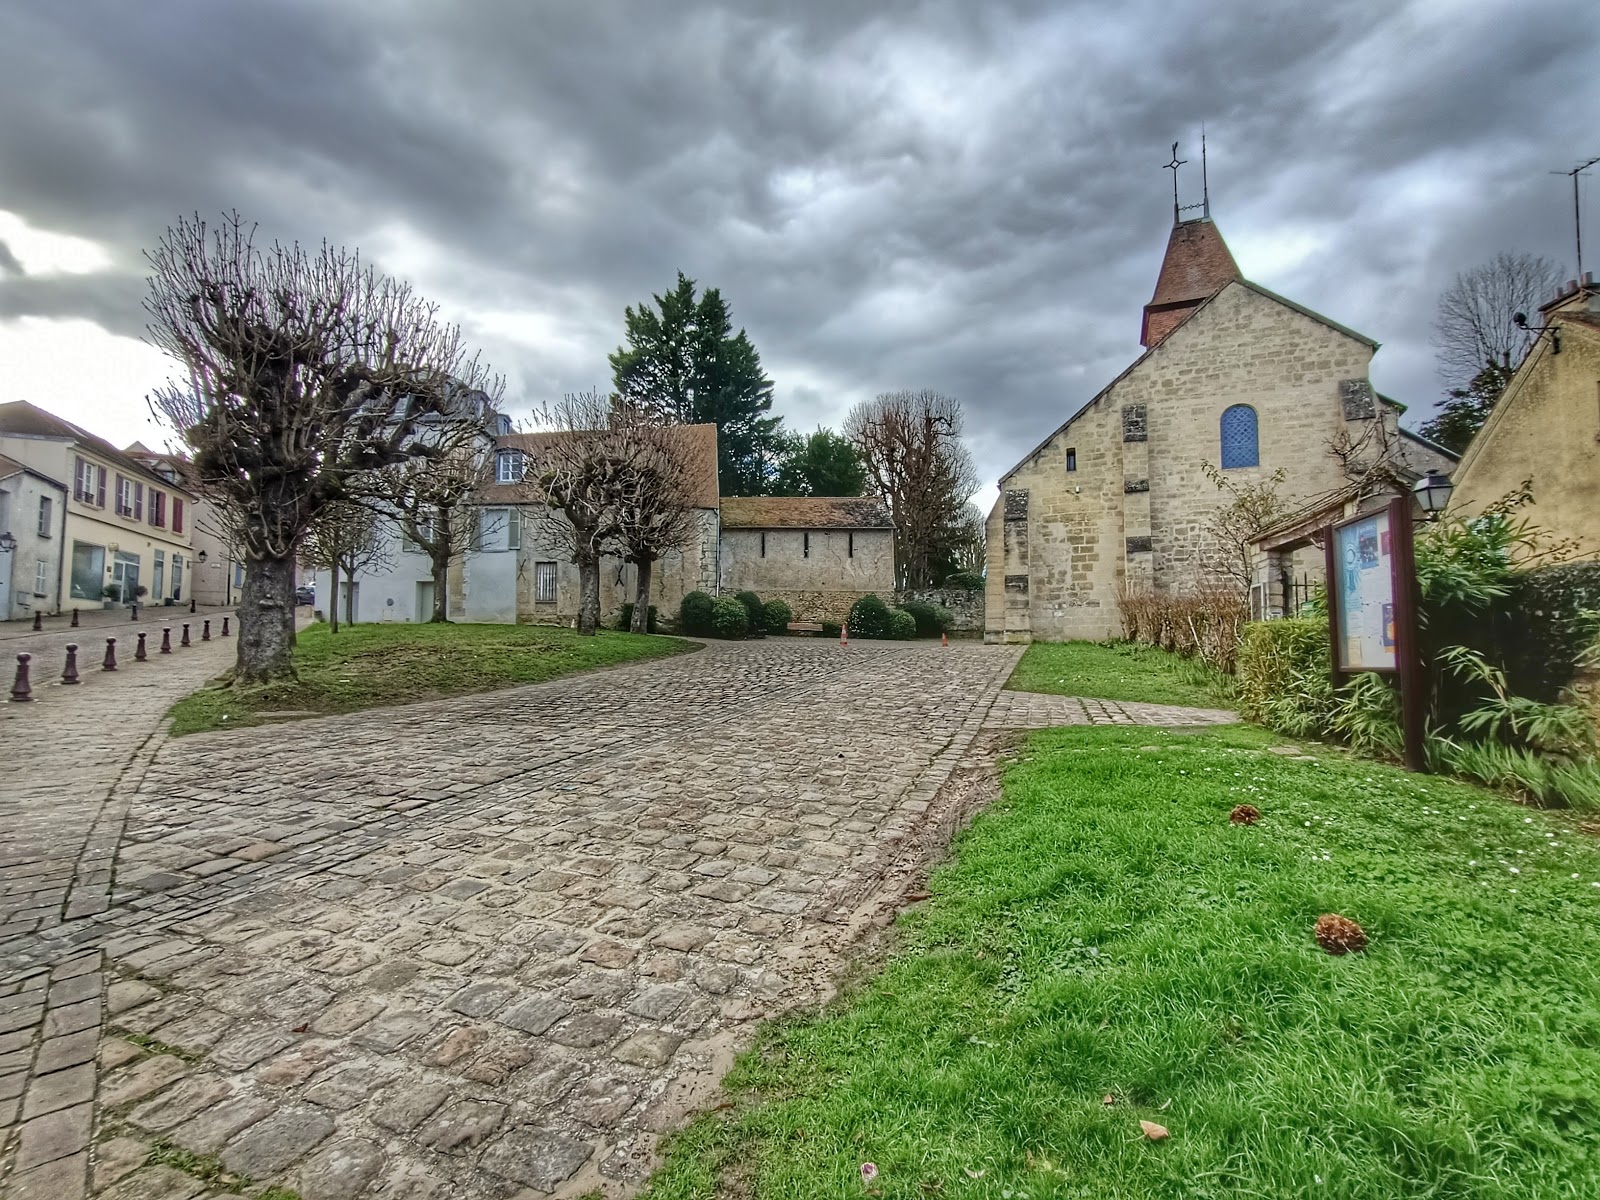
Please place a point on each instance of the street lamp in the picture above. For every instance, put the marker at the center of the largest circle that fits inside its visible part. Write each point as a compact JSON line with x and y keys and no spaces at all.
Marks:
{"x":8,"y":543}
{"x":201,"y":556}
{"x":1433,"y":493}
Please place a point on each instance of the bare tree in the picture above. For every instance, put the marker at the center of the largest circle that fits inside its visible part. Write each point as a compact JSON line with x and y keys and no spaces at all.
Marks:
{"x":655,"y":499}
{"x":304,"y":373}
{"x":577,"y":470}
{"x":345,"y":539}
{"x":910,"y":444}
{"x":1475,"y":324}
{"x":429,"y":500}
{"x":1227,"y":551}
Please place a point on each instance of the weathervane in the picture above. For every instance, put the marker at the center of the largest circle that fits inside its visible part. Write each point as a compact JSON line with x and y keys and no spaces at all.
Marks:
{"x":1205,"y":184}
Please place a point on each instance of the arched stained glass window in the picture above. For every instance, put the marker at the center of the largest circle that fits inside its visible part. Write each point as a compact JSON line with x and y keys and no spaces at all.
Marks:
{"x":1240,"y":445}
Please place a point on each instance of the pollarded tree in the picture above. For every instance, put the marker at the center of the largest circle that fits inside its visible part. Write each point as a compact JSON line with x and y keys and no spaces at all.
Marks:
{"x":655,"y":501}
{"x":910,"y":444}
{"x":303,"y":373}
{"x":346,"y":539}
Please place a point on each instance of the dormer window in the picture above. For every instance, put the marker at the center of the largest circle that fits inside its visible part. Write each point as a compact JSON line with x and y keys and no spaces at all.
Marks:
{"x":502,"y":424}
{"x":509,"y":466}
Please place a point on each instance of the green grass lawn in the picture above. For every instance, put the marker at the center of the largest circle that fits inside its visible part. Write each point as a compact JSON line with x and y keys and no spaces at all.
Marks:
{"x":1105,"y":948}
{"x":1117,"y":671}
{"x":371,"y":666}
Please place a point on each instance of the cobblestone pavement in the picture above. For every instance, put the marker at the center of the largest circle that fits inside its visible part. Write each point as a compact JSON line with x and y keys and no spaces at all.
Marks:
{"x":483,"y":947}
{"x":1036,"y":710}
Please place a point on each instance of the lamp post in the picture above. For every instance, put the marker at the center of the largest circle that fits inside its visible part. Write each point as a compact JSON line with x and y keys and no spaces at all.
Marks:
{"x":1433,"y":493}
{"x":8,"y":543}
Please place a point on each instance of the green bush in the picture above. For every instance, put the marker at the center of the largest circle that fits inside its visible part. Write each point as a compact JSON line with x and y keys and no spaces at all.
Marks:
{"x":775,"y":617}
{"x":729,"y":619}
{"x":869,"y":618}
{"x":1285,"y":678}
{"x":694,"y":614}
{"x":830,"y":629}
{"x":931,"y":619}
{"x":1547,"y":623}
{"x":964,"y":581}
{"x":902,"y":625}
{"x":754,"y":610}
{"x":625,"y":618}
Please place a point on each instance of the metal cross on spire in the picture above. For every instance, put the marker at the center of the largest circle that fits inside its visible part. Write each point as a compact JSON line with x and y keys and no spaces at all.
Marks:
{"x":1173,"y":167}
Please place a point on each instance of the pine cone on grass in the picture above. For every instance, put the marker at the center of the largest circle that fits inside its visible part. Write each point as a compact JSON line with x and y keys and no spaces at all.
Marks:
{"x":1244,"y":814}
{"x":1339,"y":935}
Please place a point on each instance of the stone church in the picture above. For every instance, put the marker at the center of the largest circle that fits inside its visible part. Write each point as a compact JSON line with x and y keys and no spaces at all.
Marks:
{"x":1233,"y":379}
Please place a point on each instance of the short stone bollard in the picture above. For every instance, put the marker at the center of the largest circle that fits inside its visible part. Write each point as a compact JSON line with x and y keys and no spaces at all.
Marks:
{"x":21,"y":692}
{"x":70,"y":673}
{"x":74,"y":618}
{"x":38,"y":619}
{"x":110,"y":663}
{"x":134,"y":609}
{"x":205,"y":630}
{"x":166,"y":639}
{"x":184,"y":640}
{"x":225,"y":632}
{"x":192,"y":599}
{"x":138,"y":654}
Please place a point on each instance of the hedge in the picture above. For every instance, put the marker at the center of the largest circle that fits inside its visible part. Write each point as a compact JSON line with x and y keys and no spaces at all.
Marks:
{"x":755,"y":611}
{"x":694,"y":614}
{"x":1285,"y":676}
{"x":729,"y":619}
{"x":1545,"y":626}
{"x":931,"y":619}
{"x":776,"y":616}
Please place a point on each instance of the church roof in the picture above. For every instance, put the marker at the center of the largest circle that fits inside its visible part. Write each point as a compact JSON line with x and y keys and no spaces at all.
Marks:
{"x":1196,"y":267}
{"x":805,"y":512}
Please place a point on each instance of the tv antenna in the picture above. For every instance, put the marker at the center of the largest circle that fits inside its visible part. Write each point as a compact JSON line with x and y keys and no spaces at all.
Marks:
{"x":1577,"y":209}
{"x":1205,"y":186}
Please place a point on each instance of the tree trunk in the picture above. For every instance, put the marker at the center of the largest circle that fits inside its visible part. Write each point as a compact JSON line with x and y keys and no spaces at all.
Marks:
{"x":588,"y":596}
{"x":441,"y":571}
{"x":641,"y":600}
{"x":333,"y":601}
{"x":349,"y":596}
{"x":266,"y":622}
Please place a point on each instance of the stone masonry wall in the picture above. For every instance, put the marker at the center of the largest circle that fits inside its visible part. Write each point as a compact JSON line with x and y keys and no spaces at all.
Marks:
{"x":966,"y":606}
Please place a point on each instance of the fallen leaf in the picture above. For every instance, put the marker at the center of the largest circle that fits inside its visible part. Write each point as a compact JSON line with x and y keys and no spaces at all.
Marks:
{"x":1153,"y":1131}
{"x":301,"y":1028}
{"x":1108,"y":1100}
{"x":971,"y":1174}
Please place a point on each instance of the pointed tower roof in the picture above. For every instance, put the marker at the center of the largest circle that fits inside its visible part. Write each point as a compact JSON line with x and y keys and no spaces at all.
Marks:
{"x":1198,"y":265}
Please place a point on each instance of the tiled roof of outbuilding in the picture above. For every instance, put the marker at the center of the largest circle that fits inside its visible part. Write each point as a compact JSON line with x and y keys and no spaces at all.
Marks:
{"x":805,"y":512}
{"x":698,"y":443}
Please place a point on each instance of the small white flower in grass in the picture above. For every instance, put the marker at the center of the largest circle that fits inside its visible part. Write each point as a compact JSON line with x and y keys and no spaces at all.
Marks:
{"x":1472,"y":862}
{"x":1515,"y":870}
{"x":1527,"y":820}
{"x":1513,"y":891}
{"x":1596,"y":883}
{"x":1575,"y":875}
{"x":869,"y":1172}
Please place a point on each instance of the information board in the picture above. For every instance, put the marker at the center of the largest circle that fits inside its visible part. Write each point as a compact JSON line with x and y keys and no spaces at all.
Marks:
{"x":1363,"y":560}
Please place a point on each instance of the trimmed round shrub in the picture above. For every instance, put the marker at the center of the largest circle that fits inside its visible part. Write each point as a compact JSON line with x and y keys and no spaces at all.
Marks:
{"x":694,"y":614}
{"x":729,"y":619}
{"x":776,"y":616}
{"x":902,"y":625}
{"x":966,"y":581}
{"x":931,"y":619}
{"x":869,"y":618}
{"x":754,"y":610}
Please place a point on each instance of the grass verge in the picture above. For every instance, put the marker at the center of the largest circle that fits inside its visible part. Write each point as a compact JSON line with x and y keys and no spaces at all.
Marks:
{"x":373,"y":666}
{"x":1119,"y":671}
{"x":1105,"y":948}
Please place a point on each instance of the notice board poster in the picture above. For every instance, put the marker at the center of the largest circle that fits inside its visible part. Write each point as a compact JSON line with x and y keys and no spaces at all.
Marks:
{"x":1364,"y":568}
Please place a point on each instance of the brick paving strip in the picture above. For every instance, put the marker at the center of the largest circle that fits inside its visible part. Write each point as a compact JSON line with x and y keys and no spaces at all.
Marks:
{"x":492,"y":946}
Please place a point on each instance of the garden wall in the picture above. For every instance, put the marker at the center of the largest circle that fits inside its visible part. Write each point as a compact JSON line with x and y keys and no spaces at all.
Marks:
{"x":966,"y":607}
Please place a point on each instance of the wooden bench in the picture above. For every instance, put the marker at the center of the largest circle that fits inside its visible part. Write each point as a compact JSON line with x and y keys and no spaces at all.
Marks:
{"x":806,"y":627}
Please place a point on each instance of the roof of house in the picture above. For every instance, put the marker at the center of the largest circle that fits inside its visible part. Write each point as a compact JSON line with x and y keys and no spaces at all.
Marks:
{"x":22,"y":419}
{"x":10,"y":466}
{"x":698,"y":444}
{"x":805,"y":512}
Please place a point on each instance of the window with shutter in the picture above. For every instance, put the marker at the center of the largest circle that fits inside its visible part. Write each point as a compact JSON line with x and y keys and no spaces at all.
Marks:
{"x":544,"y":583}
{"x":177,"y":515}
{"x":124,"y":496}
{"x":99,"y":485}
{"x":44,"y":516}
{"x":41,"y":578}
{"x":138,"y":502}
{"x":514,"y":529}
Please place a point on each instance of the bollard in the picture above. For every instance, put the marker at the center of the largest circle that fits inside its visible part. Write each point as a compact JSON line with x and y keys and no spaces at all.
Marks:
{"x":21,"y":693}
{"x":70,"y":673}
{"x":844,"y":635}
{"x":110,"y":663}
{"x":38,"y":619}
{"x":184,"y":640}
{"x":225,"y":632}
{"x":134,"y":609}
{"x":191,"y":603}
{"x":139,"y":655}
{"x":166,"y":639}
{"x":74,"y":618}
{"x":944,"y":639}
{"x":205,"y":630}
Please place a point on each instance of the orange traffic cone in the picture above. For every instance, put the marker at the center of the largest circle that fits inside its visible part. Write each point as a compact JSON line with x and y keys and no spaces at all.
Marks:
{"x":944,"y":639}
{"x":844,"y":635}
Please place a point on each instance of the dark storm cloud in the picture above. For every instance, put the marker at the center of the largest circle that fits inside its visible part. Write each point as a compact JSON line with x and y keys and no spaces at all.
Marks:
{"x":953,"y":195}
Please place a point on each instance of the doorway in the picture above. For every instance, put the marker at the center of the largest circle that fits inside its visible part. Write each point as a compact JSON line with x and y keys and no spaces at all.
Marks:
{"x":125,"y":576}
{"x":425,"y":602}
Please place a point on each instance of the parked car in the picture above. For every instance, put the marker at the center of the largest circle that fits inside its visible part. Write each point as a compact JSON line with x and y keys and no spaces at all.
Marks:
{"x":305,"y":595}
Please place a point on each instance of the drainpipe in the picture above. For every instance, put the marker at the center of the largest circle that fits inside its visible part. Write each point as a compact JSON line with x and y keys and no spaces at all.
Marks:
{"x":61,"y":557}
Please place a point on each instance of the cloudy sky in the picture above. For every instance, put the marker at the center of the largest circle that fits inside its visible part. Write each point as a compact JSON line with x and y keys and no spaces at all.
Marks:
{"x":964,"y":196}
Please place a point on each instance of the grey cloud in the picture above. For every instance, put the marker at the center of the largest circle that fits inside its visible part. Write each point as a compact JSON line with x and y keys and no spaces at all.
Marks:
{"x":916,"y":193}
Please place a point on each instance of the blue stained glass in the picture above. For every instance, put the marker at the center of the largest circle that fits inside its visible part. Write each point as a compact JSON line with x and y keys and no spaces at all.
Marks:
{"x":1240,"y":447}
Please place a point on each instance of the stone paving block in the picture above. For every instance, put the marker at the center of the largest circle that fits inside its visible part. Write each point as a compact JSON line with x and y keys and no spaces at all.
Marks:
{"x":67,"y":1051}
{"x":648,"y":1048}
{"x":183,"y":1101}
{"x":481,"y":999}
{"x":540,"y":1158}
{"x":157,"y":1182}
{"x":340,"y":1170}
{"x":210,"y":1130}
{"x":55,"y":1135}
{"x":406,"y":1106}
{"x":141,"y":1079}
{"x":59,"y":1089}
{"x":115,"y":1158}
{"x":460,"y":1126}
{"x":268,"y":1146}
{"x":62,"y":1179}
{"x":70,"y":1018}
{"x":536,"y":1014}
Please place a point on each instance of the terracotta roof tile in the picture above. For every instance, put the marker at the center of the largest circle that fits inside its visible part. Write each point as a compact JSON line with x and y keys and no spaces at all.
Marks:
{"x":1196,"y":267}
{"x":805,"y":512}
{"x":20,"y":417}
